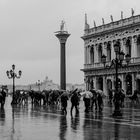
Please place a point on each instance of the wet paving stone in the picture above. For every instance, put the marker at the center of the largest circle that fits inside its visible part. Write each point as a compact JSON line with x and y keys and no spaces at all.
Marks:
{"x":27,"y":122}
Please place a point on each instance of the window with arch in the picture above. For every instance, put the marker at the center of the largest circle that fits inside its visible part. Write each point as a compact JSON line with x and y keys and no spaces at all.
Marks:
{"x":108,"y":51}
{"x":128,"y":46}
{"x":138,"y":47}
{"x":92,"y":54}
{"x":100,"y":53}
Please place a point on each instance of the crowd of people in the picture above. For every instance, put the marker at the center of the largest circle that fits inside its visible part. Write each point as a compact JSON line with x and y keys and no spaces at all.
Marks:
{"x":93,"y":99}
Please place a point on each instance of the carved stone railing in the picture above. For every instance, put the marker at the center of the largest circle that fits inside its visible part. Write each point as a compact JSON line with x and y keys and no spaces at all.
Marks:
{"x":133,"y":61}
{"x":113,"y":25}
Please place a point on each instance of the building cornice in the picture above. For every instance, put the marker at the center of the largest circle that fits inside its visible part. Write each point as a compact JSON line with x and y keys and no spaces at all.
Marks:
{"x":112,"y":27}
{"x":111,"y":71}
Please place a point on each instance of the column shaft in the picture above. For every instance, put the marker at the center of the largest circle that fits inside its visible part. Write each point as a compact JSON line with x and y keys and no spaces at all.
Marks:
{"x":62,"y":67}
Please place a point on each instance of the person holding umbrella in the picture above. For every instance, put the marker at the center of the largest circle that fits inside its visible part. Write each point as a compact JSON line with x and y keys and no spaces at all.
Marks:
{"x":75,"y":98}
{"x":87,"y":95}
{"x":64,"y":98}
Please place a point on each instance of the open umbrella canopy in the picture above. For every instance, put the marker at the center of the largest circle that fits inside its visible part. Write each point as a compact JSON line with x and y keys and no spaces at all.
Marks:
{"x":65,"y":93}
{"x":100,"y":92}
{"x":86,"y":94}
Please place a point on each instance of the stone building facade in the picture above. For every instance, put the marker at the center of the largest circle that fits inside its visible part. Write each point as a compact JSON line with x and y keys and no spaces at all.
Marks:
{"x":100,"y":40}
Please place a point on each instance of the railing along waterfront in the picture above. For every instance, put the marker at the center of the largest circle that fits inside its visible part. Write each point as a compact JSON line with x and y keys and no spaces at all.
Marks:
{"x":135,"y":60}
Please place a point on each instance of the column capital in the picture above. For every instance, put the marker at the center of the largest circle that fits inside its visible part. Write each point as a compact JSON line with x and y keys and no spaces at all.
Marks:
{"x":135,"y":37}
{"x":124,"y":41}
{"x":62,"y":37}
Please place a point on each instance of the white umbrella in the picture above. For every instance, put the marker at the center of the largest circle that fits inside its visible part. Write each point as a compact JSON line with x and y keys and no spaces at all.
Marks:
{"x":86,"y":94}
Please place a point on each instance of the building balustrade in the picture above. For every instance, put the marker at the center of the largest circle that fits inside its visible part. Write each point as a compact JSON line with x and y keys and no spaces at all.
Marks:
{"x":133,"y":61}
{"x":112,"y":25}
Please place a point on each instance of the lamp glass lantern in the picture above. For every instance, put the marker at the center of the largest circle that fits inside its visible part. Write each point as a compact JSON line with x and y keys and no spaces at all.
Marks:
{"x":7,"y":72}
{"x":20,"y":72}
{"x":116,"y":47}
{"x":13,"y":66}
{"x":121,"y":56}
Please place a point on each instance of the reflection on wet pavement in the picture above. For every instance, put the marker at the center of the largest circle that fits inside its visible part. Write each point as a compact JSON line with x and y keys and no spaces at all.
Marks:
{"x":48,"y":123}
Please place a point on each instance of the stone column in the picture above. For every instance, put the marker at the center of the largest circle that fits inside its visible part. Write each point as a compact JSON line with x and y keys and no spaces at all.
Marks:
{"x":96,"y":53}
{"x":104,"y":85}
{"x":85,"y":55}
{"x":112,"y":50}
{"x":124,"y":45}
{"x":88,"y":51}
{"x":62,"y":36}
{"x":121,"y":43}
{"x":105,"y":48}
{"x":123,"y":83}
{"x":134,"y":46}
{"x":113,"y":79}
{"x":89,"y":59}
{"x":133,"y":83}
{"x":95,"y":82}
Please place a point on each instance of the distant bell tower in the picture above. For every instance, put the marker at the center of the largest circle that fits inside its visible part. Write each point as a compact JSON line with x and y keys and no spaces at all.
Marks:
{"x":62,"y":35}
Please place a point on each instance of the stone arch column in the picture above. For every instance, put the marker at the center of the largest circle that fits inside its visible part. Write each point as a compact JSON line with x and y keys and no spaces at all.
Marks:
{"x":124,"y":45}
{"x":108,"y":51}
{"x":100,"y":52}
{"x":112,"y":50}
{"x":123,"y":82}
{"x":104,"y":48}
{"x":137,"y":80}
{"x":104,"y":85}
{"x":121,"y":43}
{"x":86,"y":55}
{"x":133,"y":82}
{"x":95,"y":82}
{"x":96,"y":53}
{"x":89,"y":54}
{"x":138,"y":46}
{"x":134,"y":46}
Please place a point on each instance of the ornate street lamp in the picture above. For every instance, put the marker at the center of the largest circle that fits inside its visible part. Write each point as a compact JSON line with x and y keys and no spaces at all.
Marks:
{"x":12,"y":75}
{"x":38,"y":83}
{"x":117,"y":62}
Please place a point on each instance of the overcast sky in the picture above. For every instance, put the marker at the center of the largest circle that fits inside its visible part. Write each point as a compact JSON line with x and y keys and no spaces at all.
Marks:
{"x":27,"y":36}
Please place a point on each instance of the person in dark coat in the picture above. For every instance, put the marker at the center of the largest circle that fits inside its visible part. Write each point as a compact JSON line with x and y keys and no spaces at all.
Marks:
{"x":110,"y":96}
{"x":94,"y":100}
{"x":75,"y":102}
{"x":100,"y":102}
{"x":64,"y":100}
{"x":87,"y":104}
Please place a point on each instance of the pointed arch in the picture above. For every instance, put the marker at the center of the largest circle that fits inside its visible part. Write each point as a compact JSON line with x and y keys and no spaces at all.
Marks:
{"x":128,"y":46}
{"x":92,"y":54}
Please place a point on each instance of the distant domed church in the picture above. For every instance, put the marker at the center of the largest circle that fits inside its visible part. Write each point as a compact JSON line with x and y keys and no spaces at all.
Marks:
{"x":45,"y":85}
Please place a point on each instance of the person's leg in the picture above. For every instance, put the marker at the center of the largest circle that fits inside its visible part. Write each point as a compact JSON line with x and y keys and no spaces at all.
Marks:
{"x":71,"y":108}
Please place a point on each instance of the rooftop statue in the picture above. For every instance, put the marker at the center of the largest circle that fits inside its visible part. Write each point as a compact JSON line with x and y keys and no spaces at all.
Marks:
{"x":62,"y":26}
